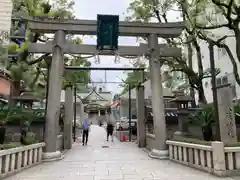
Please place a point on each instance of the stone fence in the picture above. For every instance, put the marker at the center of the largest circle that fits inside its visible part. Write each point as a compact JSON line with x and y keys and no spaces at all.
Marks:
{"x":215,"y":159}
{"x":16,"y":159}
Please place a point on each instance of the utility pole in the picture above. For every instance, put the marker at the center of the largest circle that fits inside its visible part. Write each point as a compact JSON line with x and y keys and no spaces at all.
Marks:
{"x":75,"y":114}
{"x":130,"y":112}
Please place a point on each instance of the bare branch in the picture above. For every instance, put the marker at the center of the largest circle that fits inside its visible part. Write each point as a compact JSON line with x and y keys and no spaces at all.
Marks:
{"x":38,"y":59}
{"x":35,"y":79}
{"x":218,"y":3}
{"x":212,"y":27}
{"x":229,"y":52}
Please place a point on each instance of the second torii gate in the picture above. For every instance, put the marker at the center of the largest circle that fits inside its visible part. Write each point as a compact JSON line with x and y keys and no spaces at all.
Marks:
{"x":87,"y":27}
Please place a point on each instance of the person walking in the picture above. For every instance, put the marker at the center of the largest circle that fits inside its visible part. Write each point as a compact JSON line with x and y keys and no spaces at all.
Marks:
{"x":86,"y":129}
{"x":110,"y":128}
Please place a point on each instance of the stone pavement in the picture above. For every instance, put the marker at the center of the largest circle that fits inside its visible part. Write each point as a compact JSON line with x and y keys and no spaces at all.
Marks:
{"x":121,"y":161}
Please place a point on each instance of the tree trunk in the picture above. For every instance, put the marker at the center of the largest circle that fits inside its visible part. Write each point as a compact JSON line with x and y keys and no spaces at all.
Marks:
{"x":192,"y":93}
{"x":14,"y":91}
{"x":201,"y":94}
{"x":233,"y":61}
{"x":237,"y":34}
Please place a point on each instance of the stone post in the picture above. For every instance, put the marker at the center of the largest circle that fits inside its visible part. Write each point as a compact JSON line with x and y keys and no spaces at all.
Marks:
{"x":161,"y":151}
{"x":141,"y":129}
{"x":68,"y":117}
{"x":219,"y":163}
{"x":54,"y":96}
{"x":226,"y":115}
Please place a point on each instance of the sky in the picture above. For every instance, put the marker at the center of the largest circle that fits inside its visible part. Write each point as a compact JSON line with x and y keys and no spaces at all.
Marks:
{"x":88,"y":9}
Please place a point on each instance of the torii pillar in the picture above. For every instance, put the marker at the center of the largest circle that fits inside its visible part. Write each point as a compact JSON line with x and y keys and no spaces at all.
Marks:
{"x":54,"y":95}
{"x":141,"y":129}
{"x":159,"y":121}
{"x":68,"y":117}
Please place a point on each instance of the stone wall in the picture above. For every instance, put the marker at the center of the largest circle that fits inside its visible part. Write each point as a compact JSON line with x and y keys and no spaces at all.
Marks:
{"x":195,"y":131}
{"x":13,"y":132}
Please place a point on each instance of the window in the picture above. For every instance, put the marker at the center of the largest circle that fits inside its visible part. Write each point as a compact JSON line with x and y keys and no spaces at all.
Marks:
{"x":225,"y":80}
{"x":219,"y":81}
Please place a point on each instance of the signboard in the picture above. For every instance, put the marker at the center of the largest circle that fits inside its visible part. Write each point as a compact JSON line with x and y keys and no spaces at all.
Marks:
{"x":107,"y":32}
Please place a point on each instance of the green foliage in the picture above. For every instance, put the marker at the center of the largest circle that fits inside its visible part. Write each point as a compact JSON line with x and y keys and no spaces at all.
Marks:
{"x":11,"y":145}
{"x":3,"y":115}
{"x":133,"y":78}
{"x":19,"y":116}
{"x":237,"y":110}
{"x":77,"y":76}
{"x":29,"y":139}
{"x":198,"y":141}
{"x":27,"y":68}
{"x":191,"y":140}
{"x":203,"y":117}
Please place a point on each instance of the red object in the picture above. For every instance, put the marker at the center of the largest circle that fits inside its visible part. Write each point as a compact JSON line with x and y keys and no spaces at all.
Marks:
{"x":124,"y":138}
{"x":115,"y":104}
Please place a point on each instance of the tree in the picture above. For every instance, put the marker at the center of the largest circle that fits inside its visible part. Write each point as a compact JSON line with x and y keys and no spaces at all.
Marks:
{"x":142,"y":10}
{"x":28,"y":68}
{"x":173,"y":80}
{"x":77,"y":78}
{"x":229,"y":13}
{"x":224,"y":15}
{"x":155,"y":10}
{"x":133,"y":78}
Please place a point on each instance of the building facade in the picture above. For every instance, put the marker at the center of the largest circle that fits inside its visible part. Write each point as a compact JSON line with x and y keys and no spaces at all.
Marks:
{"x":124,"y":99}
{"x":5,"y":26}
{"x":5,"y":15}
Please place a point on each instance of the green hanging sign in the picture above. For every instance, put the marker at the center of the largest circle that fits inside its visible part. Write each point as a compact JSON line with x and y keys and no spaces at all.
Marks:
{"x":107,"y":32}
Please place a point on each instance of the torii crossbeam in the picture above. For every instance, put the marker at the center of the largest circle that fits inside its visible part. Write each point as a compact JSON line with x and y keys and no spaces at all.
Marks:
{"x":70,"y":48}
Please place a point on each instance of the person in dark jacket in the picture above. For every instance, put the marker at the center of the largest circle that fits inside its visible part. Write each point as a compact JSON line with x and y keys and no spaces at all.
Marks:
{"x":110,"y":127}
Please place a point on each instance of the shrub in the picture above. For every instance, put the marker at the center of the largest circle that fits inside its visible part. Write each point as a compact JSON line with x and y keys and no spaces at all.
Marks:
{"x":11,"y":145}
{"x":18,"y":116}
{"x":190,"y":140}
{"x":198,"y":141}
{"x":30,"y":138}
{"x":203,"y":116}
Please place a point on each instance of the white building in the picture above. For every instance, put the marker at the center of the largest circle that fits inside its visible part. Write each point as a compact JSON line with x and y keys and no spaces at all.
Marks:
{"x":124,"y":102}
{"x":222,"y":61}
{"x":5,"y":15}
{"x":5,"y":23}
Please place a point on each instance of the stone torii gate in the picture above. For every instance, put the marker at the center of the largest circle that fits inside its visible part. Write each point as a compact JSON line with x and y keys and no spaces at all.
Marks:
{"x":60,"y":46}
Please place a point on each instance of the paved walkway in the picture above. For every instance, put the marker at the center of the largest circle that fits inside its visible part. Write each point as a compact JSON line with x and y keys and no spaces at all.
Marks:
{"x":121,"y":161}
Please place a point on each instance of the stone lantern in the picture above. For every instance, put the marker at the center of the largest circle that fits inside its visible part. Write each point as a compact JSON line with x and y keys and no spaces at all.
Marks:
{"x":182,"y":102}
{"x":26,"y":100}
